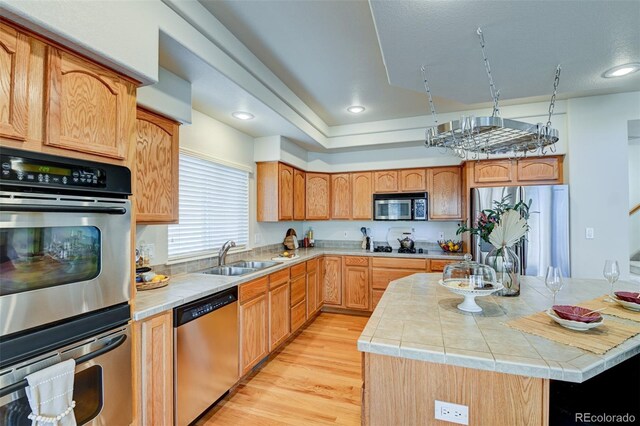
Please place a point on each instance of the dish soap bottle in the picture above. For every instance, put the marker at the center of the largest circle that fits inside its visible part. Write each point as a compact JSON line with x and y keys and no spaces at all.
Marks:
{"x":311,"y":240}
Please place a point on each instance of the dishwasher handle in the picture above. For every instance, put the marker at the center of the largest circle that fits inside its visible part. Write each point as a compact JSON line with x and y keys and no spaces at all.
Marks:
{"x":193,"y":310}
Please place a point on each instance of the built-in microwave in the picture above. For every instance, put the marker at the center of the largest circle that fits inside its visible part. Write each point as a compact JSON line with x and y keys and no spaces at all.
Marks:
{"x":404,"y":206}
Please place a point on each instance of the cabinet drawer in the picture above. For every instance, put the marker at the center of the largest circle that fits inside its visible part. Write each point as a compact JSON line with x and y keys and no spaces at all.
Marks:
{"x":382,"y":277}
{"x":299,"y":269}
{"x":298,"y":316}
{"x":312,"y":265}
{"x":252,"y":289}
{"x":278,"y":278}
{"x":399,"y":263}
{"x":437,"y":265}
{"x":376,"y":296}
{"x":356,"y":261}
{"x":298,"y":290}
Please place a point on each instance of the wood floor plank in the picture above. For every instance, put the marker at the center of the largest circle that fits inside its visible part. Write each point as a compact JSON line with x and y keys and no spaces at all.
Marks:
{"x":315,"y":379}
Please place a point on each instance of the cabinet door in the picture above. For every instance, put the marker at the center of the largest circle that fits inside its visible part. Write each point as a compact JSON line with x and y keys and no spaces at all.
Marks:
{"x":380,"y":278}
{"x":253,"y":332}
{"x":493,"y":171}
{"x":538,"y":169}
{"x":356,"y":286}
{"x":156,"y":364}
{"x":332,"y":280}
{"x":437,"y":265}
{"x":278,"y":315}
{"x":89,"y":108}
{"x":312,"y":289}
{"x":298,"y":194}
{"x":385,"y":181}
{"x":413,"y":180}
{"x":361,"y":188}
{"x":156,"y":168}
{"x":14,"y":65}
{"x":340,"y":196}
{"x":298,"y":290}
{"x":318,"y":190}
{"x":445,"y":193}
{"x":285,"y":193}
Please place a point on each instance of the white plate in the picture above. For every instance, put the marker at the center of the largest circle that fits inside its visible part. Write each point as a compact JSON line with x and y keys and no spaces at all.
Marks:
{"x":629,"y":305}
{"x":574,"y":325}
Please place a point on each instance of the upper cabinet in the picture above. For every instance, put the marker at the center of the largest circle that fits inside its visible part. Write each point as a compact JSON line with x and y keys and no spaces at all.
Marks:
{"x":385,"y":181}
{"x":361,"y":195}
{"x":156,"y":168}
{"x":318,"y":196}
{"x":285,"y":196}
{"x":341,"y":196}
{"x":299,"y":197}
{"x":14,"y":65}
{"x":526,"y":171}
{"x":413,"y":180}
{"x":89,"y":108}
{"x":445,"y":193}
{"x":281,"y":192}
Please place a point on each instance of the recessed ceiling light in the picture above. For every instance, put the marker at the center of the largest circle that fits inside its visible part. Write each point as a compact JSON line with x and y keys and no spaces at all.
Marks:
{"x":622,"y":70}
{"x":355,"y":109}
{"x":241,"y":115}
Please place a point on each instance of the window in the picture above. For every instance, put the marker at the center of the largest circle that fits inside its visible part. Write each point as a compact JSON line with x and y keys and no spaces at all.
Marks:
{"x":214,"y":208}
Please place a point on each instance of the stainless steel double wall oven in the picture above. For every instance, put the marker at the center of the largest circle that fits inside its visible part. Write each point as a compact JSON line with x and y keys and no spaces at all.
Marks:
{"x":65,"y":261}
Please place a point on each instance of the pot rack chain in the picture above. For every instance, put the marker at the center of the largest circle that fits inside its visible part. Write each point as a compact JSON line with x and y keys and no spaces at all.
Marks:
{"x":426,"y":87}
{"x":552,"y":105}
{"x":495,"y":93}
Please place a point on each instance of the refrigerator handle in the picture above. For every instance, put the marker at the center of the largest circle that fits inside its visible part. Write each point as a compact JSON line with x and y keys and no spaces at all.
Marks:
{"x":523,"y":243}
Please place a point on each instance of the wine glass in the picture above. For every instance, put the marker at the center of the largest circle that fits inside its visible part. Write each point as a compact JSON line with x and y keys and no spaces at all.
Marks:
{"x":553,"y":281}
{"x":611,"y":272}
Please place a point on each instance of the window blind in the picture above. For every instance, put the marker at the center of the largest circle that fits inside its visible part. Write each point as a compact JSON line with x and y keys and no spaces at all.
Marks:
{"x":213,"y":208}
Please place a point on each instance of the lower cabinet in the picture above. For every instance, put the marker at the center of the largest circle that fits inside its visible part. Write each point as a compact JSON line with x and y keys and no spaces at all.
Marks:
{"x":387,"y":269}
{"x":437,"y":265}
{"x":355,"y":280}
{"x":154,"y":347}
{"x":253,"y":321}
{"x":278,"y":314}
{"x":298,"y":296}
{"x":332,"y":280}
{"x":314,"y":298}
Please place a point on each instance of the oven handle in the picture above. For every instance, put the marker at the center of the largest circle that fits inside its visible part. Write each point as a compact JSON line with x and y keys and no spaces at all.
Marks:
{"x":64,"y":209}
{"x":113,"y":344}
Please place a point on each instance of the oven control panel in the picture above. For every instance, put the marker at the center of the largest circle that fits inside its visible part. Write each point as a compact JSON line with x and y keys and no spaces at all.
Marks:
{"x":38,"y":172}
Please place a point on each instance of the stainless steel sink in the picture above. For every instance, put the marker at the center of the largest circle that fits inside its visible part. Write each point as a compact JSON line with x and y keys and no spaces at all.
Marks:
{"x":254,"y":264}
{"x":229,"y":271}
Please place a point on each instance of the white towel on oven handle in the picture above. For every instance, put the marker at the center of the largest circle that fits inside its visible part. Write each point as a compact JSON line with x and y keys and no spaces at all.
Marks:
{"x":50,"y":395}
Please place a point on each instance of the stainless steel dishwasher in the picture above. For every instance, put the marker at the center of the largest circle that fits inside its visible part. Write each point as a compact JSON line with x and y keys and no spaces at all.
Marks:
{"x":205,"y":337}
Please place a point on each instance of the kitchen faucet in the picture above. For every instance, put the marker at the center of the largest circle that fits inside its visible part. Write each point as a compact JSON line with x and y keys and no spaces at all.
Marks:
{"x":222,"y":254}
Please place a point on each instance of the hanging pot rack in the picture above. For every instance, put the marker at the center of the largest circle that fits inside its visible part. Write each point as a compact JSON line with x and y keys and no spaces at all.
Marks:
{"x":471,"y":137}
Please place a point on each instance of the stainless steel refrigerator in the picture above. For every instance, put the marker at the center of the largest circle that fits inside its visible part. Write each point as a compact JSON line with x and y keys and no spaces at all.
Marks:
{"x":547,"y":242}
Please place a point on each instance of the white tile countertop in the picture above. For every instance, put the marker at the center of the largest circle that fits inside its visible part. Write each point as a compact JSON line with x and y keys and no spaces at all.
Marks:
{"x":418,"y":319}
{"x":186,"y":288}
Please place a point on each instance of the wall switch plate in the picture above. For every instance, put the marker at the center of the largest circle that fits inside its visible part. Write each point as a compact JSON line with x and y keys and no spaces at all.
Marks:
{"x":441,"y":235}
{"x":453,"y":413}
{"x":588,"y":233}
{"x":345,"y":235}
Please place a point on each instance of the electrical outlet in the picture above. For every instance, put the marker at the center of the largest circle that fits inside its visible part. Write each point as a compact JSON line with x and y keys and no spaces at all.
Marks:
{"x":257,"y":238}
{"x":453,"y":413}
{"x":345,"y":235}
{"x":441,"y":235}
{"x":588,"y":233}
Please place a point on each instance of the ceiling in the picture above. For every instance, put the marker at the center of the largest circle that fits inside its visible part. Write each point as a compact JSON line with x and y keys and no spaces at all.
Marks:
{"x":333,"y":54}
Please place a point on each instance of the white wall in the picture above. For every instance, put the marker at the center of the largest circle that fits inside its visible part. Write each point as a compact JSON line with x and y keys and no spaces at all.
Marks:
{"x":599,"y":183}
{"x":170,"y":96}
{"x":634,"y":191}
{"x":423,"y":231}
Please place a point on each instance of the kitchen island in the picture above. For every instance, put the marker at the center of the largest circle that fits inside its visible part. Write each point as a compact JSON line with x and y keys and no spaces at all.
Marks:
{"x":418,"y":348}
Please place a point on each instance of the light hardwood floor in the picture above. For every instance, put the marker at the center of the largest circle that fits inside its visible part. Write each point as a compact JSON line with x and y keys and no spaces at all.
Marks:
{"x":315,"y":379}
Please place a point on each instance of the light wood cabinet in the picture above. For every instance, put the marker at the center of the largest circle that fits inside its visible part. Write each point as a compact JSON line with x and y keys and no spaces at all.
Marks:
{"x":253,"y":319}
{"x":14,"y":98}
{"x":299,"y":196}
{"x":356,"y":282}
{"x":437,"y":265}
{"x":493,"y":171}
{"x":155,"y":349}
{"x":156,"y":168}
{"x":332,"y":280}
{"x":413,"y":180}
{"x":89,"y":108}
{"x":538,"y":169}
{"x":385,"y":181}
{"x":445,"y":193}
{"x":313,"y":300}
{"x":285,"y":194}
{"x":387,"y":269}
{"x":318,"y":196}
{"x":361,"y":196}
{"x":341,"y":196}
{"x":279,"y":328}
